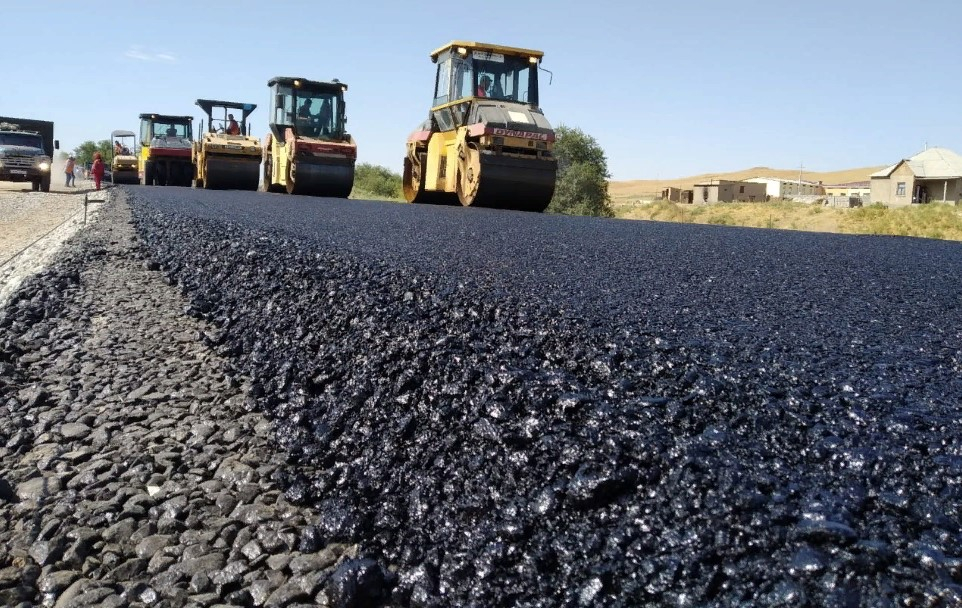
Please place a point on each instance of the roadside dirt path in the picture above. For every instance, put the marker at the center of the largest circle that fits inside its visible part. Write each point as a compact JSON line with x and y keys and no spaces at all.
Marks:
{"x":33,"y":225}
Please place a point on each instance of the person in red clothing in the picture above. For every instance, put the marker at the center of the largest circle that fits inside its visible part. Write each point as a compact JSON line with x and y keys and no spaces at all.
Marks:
{"x":97,"y":170}
{"x":232,"y":127}
{"x":483,"y":85}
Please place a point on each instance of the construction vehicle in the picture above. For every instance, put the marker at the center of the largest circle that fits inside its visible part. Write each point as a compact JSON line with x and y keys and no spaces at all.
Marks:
{"x":486,"y":141}
{"x":123,"y":160}
{"x":307,"y":150}
{"x":166,"y":144}
{"x":25,"y":149}
{"x":226,"y":156}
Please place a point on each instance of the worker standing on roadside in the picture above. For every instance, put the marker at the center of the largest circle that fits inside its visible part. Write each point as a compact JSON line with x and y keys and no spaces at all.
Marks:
{"x":68,"y":171}
{"x":97,"y":170}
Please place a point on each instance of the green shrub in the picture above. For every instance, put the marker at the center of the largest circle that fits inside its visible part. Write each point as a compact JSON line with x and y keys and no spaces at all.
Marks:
{"x":377,"y":181}
{"x":582,"y":183}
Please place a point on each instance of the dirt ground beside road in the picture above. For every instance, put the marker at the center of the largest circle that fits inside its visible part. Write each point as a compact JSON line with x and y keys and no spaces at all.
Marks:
{"x":34,"y":224}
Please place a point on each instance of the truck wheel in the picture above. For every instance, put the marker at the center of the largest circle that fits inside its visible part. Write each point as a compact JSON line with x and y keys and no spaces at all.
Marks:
{"x":149,"y":174}
{"x":45,"y":184}
{"x":35,"y":185}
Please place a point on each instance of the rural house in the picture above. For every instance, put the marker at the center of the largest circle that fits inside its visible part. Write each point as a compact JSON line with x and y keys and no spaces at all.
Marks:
{"x":848,"y":194}
{"x":929,"y":176}
{"x":786,"y":188}
{"x":676,"y":195}
{"x":860,"y":190}
{"x":726,"y":191}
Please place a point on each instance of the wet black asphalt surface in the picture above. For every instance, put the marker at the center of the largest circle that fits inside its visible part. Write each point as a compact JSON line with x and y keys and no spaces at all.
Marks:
{"x":519,"y":409}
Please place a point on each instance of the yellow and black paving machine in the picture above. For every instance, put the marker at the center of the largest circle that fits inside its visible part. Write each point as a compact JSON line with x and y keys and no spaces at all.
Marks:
{"x":308,"y":150}
{"x":226,"y":156}
{"x":165,"y":150}
{"x":486,"y":141}
{"x":123,"y":159}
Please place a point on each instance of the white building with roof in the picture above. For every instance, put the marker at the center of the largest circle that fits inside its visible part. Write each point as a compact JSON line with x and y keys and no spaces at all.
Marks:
{"x":934,"y":175}
{"x":786,"y":188}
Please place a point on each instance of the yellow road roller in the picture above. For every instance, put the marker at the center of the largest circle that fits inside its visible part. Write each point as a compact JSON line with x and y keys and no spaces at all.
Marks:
{"x":226,"y":156}
{"x":486,"y":141}
{"x":166,"y":144}
{"x":308,"y":150}
{"x":123,"y":159}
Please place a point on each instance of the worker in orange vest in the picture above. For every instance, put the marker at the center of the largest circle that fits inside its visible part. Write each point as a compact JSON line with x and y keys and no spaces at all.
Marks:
{"x":68,"y":171}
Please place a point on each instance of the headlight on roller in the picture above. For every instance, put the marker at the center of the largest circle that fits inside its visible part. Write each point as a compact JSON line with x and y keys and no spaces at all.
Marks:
{"x":45,"y":166}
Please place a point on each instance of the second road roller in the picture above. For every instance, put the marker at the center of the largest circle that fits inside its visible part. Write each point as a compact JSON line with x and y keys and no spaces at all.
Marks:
{"x":165,"y":150}
{"x":226,"y":156}
{"x":308,"y":150}
{"x":486,"y":141}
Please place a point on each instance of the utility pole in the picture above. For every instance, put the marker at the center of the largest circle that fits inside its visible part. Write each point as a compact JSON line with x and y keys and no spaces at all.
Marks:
{"x":800,"y":167}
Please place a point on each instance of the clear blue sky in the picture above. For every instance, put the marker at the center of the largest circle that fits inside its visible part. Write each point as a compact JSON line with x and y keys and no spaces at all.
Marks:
{"x":669,"y":89}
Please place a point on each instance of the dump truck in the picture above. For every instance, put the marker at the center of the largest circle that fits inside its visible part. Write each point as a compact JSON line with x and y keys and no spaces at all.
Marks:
{"x":26,"y":147}
{"x":166,"y":148}
{"x":226,"y":156}
{"x":307,"y":150}
{"x":486,"y":141}
{"x":123,"y":159}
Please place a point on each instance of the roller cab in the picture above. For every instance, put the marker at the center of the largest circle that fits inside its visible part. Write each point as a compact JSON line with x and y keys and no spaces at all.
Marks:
{"x":226,"y":155}
{"x":308,"y":150}
{"x":486,"y":141}
{"x":166,"y":150}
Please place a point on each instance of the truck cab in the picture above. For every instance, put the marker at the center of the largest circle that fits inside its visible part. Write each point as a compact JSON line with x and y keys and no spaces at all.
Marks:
{"x":25,"y":149}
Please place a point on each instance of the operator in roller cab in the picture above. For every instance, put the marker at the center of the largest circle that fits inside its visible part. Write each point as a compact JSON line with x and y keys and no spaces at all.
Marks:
{"x":24,"y":156}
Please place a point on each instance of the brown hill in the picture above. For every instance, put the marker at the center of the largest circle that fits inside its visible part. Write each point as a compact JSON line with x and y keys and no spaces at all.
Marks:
{"x":646,"y":187}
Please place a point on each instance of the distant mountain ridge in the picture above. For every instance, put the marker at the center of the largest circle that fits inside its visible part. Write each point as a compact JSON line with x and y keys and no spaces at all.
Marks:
{"x":638,"y":187}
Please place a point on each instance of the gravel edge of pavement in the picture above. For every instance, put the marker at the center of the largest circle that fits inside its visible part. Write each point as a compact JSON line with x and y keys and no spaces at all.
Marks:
{"x":131,"y":470}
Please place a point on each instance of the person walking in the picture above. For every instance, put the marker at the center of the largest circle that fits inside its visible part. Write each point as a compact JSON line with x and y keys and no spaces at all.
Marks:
{"x":68,"y":171}
{"x":97,"y":170}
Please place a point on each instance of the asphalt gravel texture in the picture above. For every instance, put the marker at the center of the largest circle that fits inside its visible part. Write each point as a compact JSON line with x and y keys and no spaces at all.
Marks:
{"x":504,"y":408}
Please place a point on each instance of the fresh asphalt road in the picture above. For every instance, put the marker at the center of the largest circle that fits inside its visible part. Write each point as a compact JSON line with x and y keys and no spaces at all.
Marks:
{"x":532,"y":409}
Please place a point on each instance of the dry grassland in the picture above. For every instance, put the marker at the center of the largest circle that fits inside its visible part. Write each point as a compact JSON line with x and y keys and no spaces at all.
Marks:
{"x":935,"y":221}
